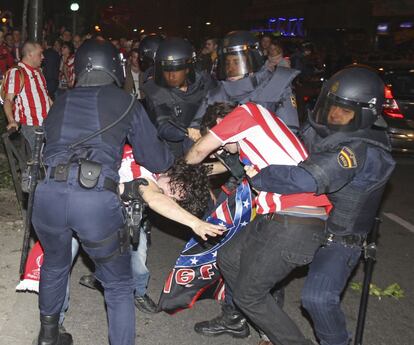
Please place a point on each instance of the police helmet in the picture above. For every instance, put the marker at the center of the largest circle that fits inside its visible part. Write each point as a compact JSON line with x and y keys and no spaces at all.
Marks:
{"x":147,"y":49}
{"x":174,"y":54}
{"x":351,"y":99}
{"x":98,"y":63}
{"x":239,"y":55}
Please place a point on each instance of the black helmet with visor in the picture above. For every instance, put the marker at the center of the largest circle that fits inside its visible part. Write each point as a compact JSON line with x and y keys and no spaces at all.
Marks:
{"x":351,"y":99}
{"x":239,"y":56}
{"x":174,"y":54}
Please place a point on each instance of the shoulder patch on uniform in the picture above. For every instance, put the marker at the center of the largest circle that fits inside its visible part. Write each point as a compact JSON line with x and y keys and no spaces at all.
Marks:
{"x":293,"y":101}
{"x":347,"y":159}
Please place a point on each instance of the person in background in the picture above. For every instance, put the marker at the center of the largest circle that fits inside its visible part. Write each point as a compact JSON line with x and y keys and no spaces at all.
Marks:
{"x":275,"y":56}
{"x":133,"y":78}
{"x":50,"y":67}
{"x":27,"y":102}
{"x":264,"y":44}
{"x":6,"y":59}
{"x":77,"y":41}
{"x":66,"y":71}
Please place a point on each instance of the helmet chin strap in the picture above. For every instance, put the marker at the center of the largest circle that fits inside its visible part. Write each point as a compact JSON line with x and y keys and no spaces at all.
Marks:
{"x":94,"y":78}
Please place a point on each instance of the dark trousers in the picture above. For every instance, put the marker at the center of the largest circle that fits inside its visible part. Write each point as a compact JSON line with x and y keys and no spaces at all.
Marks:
{"x":327,"y":277}
{"x":63,"y":207}
{"x":259,"y":257}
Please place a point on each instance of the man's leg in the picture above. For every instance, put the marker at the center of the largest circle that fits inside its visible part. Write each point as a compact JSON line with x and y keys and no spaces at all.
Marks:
{"x":101,"y":241}
{"x":65,"y":307}
{"x":141,"y":275}
{"x":55,"y":237}
{"x":327,"y":277}
{"x":231,"y":321}
{"x":29,"y":134}
{"x":270,"y":253}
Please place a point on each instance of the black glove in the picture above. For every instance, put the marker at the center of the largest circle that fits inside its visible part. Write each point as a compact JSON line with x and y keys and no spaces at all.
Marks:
{"x":131,"y":189}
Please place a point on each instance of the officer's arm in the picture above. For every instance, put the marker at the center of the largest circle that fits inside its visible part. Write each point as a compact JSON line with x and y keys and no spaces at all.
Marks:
{"x":149,"y":151}
{"x":169,"y":132}
{"x":195,"y":123}
{"x":167,"y":207}
{"x":324,"y":172}
{"x":202,"y":148}
{"x":283,"y":179}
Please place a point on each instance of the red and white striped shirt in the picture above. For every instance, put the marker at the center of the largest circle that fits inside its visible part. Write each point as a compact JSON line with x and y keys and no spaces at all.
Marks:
{"x":32,"y":101}
{"x":131,"y":170}
{"x":264,"y":140}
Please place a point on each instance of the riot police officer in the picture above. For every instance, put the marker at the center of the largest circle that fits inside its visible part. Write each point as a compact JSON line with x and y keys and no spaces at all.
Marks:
{"x":85,"y":135}
{"x":176,"y":92}
{"x":349,"y":160}
{"x":244,"y":78}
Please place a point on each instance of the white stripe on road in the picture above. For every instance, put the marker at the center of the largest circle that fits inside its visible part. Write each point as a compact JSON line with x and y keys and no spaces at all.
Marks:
{"x":400,"y":221}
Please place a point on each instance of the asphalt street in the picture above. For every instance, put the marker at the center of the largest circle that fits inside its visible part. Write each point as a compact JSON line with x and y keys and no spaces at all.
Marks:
{"x":389,"y":321}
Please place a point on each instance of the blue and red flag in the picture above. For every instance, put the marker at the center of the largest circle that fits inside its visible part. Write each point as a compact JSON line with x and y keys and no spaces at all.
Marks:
{"x":195,"y":274}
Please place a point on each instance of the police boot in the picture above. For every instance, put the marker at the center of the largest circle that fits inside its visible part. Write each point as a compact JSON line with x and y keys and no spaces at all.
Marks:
{"x":231,"y":322}
{"x":50,"y":334}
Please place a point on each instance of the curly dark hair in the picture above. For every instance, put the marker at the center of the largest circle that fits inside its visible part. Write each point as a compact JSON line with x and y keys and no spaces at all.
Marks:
{"x":191,"y":182}
{"x":213,"y":112}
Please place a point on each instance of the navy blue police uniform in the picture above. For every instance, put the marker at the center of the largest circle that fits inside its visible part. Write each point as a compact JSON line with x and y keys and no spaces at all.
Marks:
{"x":271,"y":89}
{"x":170,"y":107}
{"x":351,"y":165}
{"x":62,"y":206}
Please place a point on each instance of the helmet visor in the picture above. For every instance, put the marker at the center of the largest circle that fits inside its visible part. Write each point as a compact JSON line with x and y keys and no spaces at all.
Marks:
{"x":237,"y":65}
{"x":337,"y":113}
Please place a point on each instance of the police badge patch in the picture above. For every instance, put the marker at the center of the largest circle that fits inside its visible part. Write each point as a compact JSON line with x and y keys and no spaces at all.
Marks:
{"x":347,"y":159}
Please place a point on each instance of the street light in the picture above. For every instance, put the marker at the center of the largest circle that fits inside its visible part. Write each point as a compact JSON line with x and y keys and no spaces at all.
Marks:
{"x":74,"y":7}
{"x":208,"y":23}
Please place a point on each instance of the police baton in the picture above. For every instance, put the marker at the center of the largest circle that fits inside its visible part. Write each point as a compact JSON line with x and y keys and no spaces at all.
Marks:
{"x":33,"y":175}
{"x":370,"y":253}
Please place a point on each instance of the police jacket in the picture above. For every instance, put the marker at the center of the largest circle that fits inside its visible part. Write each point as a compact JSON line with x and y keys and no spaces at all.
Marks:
{"x":83,"y":111}
{"x":351,"y":168}
{"x":166,"y":104}
{"x":271,"y":89}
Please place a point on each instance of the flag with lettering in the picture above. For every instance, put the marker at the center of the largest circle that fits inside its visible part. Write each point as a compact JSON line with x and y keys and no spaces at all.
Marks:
{"x":195,"y":274}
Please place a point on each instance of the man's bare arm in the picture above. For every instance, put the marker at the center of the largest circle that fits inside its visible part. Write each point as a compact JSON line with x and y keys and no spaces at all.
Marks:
{"x":202,"y":148}
{"x":167,"y":207}
{"x":8,"y":109}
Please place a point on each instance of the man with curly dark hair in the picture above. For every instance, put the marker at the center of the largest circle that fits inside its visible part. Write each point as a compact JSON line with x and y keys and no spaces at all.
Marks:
{"x":181,"y":194}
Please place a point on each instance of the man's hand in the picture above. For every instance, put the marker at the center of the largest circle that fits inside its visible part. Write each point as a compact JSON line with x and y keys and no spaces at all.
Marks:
{"x":12,"y":125}
{"x":194,"y":134}
{"x":203,"y":229}
{"x":250,"y":171}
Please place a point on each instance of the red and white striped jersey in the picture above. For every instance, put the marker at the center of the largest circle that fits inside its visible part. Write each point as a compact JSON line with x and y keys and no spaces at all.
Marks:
{"x":131,"y":170}
{"x":264,"y":140}
{"x":32,"y":101}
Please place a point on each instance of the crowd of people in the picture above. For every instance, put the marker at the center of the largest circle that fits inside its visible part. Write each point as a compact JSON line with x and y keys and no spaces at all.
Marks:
{"x":317,"y":185}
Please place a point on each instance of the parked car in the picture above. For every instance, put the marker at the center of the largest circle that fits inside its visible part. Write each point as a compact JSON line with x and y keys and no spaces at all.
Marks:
{"x":398,"y":110}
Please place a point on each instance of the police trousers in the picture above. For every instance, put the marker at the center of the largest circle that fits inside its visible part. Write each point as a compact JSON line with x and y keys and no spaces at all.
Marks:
{"x":321,"y":296}
{"x":259,"y":257}
{"x":94,"y":214}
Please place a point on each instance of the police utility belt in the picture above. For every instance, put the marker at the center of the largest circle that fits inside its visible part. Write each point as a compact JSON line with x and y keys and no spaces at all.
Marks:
{"x":89,"y":174}
{"x":316,"y":217}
